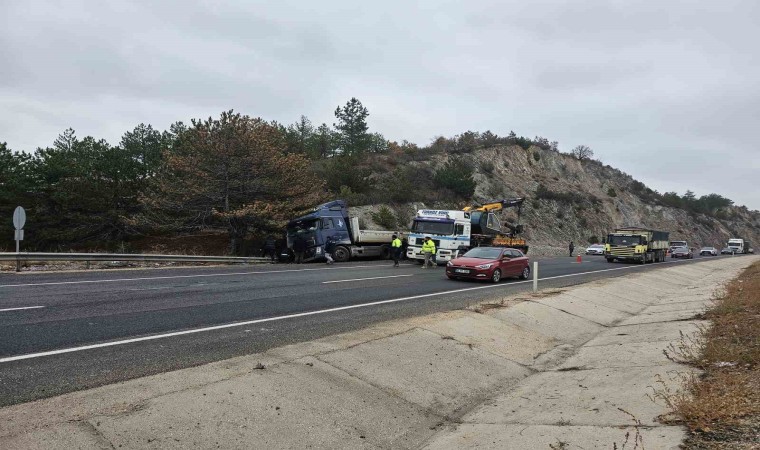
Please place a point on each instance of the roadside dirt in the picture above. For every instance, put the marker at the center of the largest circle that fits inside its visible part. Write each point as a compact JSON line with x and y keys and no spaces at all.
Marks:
{"x":721,"y":407}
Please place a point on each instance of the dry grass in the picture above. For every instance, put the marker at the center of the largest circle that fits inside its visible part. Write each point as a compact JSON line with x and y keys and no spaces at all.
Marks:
{"x":721,"y":407}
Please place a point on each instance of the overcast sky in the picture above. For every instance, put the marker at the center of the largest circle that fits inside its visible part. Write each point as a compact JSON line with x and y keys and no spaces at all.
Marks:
{"x":667,"y":91}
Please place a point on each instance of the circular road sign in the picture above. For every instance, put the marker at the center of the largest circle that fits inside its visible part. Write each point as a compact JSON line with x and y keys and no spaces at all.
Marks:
{"x":19,"y":218}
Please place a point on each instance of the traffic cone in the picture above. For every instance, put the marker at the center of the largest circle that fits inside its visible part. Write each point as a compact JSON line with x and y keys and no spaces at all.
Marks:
{"x":578,"y":259}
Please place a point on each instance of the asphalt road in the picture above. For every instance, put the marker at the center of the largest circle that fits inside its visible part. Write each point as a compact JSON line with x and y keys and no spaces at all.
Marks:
{"x":61,"y":332}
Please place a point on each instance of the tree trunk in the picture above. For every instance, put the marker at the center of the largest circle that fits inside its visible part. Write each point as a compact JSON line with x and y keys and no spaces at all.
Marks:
{"x":237,"y":232}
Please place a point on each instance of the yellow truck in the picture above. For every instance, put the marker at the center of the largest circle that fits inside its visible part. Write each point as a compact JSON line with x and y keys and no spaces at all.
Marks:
{"x":635,"y":244}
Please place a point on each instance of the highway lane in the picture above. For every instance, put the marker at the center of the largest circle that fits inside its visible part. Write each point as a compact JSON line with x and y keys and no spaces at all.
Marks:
{"x":178,"y":305}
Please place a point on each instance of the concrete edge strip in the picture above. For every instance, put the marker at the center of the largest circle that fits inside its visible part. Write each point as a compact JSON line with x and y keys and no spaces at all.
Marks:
{"x":278,"y":318}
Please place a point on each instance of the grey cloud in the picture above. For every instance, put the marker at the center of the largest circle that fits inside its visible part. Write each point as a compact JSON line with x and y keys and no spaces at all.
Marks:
{"x":672,"y":81}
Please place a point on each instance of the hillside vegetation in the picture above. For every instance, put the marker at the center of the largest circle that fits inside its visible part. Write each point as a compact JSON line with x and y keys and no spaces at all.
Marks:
{"x":220,"y":185}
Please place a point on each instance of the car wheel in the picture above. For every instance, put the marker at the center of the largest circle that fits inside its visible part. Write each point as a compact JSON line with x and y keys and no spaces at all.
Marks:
{"x":496,"y":276}
{"x":451,"y":278}
{"x":525,"y":273}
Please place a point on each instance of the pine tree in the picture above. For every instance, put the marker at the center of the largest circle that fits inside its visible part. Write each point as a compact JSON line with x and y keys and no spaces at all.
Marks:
{"x":352,"y":128}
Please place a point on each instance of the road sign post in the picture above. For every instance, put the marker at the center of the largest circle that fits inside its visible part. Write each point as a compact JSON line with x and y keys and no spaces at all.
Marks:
{"x":19,"y":220}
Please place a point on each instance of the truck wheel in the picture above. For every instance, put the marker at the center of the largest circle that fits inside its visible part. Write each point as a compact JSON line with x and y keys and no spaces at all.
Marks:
{"x":609,"y":260}
{"x":385,"y":250}
{"x":341,"y":254}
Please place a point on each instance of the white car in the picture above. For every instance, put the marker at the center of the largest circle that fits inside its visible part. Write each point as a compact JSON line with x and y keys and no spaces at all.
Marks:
{"x":708,"y":251}
{"x":595,"y":249}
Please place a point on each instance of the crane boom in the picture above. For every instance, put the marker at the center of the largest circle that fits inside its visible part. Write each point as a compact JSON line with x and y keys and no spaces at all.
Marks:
{"x":498,"y":205}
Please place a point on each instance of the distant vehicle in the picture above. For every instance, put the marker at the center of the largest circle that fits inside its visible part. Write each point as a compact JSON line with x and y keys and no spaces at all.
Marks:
{"x":740,"y":246}
{"x":489,"y":263}
{"x":636,"y":244}
{"x":682,"y":252}
{"x":675,"y":244}
{"x":595,"y":249}
{"x":708,"y":251}
{"x":728,"y":251}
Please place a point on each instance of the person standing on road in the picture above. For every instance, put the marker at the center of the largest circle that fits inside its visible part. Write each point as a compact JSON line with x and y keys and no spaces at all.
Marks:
{"x":404,"y":247}
{"x":396,"y":249}
{"x":270,"y":248}
{"x":329,"y":247}
{"x":571,"y":248}
{"x":428,"y":250}
{"x":299,"y":247}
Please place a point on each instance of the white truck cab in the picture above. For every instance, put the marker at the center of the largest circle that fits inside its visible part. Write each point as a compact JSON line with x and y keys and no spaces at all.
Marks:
{"x":738,"y":245}
{"x":449,"y":230}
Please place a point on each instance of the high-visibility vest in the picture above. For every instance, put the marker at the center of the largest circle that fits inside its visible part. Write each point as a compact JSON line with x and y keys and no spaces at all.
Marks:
{"x":428,"y":246}
{"x":396,"y":243}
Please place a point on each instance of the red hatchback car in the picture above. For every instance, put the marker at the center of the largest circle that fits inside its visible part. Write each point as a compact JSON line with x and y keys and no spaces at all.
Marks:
{"x":489,"y":263}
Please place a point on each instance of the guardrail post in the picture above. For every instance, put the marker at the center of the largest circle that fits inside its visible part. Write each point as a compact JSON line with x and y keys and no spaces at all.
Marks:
{"x":535,"y":276}
{"x":18,"y":256}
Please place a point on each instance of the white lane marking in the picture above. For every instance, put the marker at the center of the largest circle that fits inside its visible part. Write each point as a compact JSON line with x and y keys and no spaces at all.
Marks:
{"x":288,"y":316}
{"x":364,"y":279}
{"x":171,"y":277}
{"x":21,"y":308}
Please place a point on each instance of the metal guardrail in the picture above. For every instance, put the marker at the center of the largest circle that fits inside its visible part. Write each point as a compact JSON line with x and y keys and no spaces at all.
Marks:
{"x":110,"y":257}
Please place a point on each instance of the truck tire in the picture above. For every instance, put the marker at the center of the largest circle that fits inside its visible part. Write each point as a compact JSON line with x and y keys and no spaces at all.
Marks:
{"x":341,"y":254}
{"x":609,"y":260}
{"x":385,"y":251}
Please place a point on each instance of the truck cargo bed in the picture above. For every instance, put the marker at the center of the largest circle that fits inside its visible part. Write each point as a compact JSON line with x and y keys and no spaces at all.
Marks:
{"x":374,"y":236}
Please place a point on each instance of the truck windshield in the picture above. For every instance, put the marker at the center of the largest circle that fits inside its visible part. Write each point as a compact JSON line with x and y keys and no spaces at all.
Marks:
{"x":304,"y":227}
{"x":623,"y":240}
{"x":430,"y":227}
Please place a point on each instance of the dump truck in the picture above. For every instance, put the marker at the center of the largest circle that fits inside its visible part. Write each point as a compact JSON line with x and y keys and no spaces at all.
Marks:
{"x":331,"y":221}
{"x":739,"y":245}
{"x":635,"y":244}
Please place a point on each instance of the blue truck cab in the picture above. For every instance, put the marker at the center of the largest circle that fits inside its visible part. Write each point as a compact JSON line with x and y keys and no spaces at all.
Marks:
{"x":331,"y":221}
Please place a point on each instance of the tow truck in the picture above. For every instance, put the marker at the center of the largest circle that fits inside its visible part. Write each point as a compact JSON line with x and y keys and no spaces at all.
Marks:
{"x":456,"y":231}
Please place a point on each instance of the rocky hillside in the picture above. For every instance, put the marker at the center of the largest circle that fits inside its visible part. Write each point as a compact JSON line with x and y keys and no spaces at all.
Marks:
{"x":569,"y":199}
